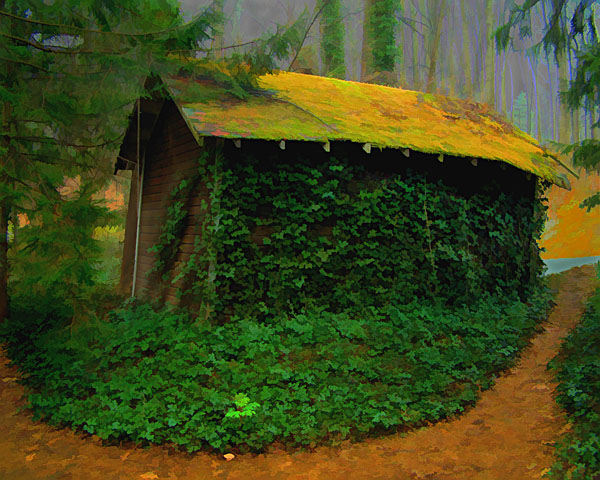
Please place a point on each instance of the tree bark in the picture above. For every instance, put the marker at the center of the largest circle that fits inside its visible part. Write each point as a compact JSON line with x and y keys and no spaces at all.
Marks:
{"x":366,"y":59}
{"x":466,"y":52}
{"x":564,"y":133}
{"x":438,"y":13}
{"x":415,"y":52}
{"x":332,"y":39}
{"x":4,"y":208}
{"x":489,"y":80}
{"x":4,"y":211}
{"x":217,"y":43}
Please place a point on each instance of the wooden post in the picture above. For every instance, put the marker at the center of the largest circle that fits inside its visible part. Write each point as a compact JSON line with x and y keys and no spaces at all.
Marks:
{"x":129,"y":242}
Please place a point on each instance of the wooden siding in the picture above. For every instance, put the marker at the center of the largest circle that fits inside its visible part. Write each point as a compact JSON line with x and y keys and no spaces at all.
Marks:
{"x":172,"y":155}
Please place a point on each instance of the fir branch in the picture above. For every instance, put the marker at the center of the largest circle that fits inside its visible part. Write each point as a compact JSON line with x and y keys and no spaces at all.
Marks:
{"x":212,"y":49}
{"x":59,"y":49}
{"x":65,"y":143}
{"x":21,"y":62}
{"x":91,"y":30}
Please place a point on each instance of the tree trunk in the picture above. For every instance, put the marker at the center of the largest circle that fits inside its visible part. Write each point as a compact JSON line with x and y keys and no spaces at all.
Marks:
{"x":535,"y":95}
{"x":332,"y":43}
{"x":415,"y":52}
{"x":400,"y":59}
{"x":366,"y":59}
{"x":4,"y":207}
{"x":564,"y":130}
{"x":512,"y":93}
{"x":502,"y":100}
{"x":217,"y":43}
{"x":4,"y":211}
{"x":529,"y":109}
{"x":466,"y":52}
{"x":438,"y":13}
{"x":489,"y":79}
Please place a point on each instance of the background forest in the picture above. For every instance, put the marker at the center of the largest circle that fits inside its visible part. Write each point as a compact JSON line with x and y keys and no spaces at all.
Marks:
{"x":444,"y":47}
{"x":439,"y":46}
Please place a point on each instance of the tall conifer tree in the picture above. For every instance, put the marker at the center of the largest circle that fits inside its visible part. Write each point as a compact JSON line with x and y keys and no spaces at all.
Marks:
{"x":69,"y":72}
{"x":332,"y":39}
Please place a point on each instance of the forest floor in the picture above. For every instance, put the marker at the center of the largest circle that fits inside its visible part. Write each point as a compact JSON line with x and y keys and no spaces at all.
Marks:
{"x":508,"y":435}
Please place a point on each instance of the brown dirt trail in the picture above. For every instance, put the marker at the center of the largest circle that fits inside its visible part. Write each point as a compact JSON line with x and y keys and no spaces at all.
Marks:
{"x":508,"y":435}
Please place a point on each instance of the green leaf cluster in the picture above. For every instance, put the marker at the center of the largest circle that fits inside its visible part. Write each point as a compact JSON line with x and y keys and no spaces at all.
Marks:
{"x":55,"y":258}
{"x":577,"y":370}
{"x":332,"y":39}
{"x":343,"y":237}
{"x":383,"y":25}
{"x":158,"y":375}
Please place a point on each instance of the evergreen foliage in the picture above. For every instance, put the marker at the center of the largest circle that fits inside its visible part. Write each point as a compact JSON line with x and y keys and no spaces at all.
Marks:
{"x":383,"y":24}
{"x":87,"y":61}
{"x":332,"y":39}
{"x":584,"y":87}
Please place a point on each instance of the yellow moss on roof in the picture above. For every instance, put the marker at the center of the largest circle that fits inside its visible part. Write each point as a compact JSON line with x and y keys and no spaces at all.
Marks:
{"x":295,"y":106}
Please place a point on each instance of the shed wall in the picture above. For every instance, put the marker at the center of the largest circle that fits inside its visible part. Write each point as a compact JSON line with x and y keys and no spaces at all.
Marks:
{"x":172,"y":155}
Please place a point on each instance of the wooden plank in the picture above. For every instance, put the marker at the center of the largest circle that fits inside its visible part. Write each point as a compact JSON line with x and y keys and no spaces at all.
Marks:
{"x":176,"y":142}
{"x":186,"y":248}
{"x":182,"y":171}
{"x":157,"y":203}
{"x":154,"y":225}
{"x":172,"y":166}
{"x":145,"y":258}
{"x":172,"y":299}
{"x":173,"y":128}
{"x":153,"y":214}
{"x":164,"y":156}
{"x":154,"y":198}
{"x":165,"y":186}
{"x":187,"y":148}
{"x":147,"y":240}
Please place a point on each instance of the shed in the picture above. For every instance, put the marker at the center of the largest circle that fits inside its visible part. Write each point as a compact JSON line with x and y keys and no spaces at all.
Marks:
{"x":463,"y":143}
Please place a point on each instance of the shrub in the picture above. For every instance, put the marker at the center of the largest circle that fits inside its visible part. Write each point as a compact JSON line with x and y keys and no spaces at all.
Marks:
{"x":157,"y":375}
{"x":577,"y":369}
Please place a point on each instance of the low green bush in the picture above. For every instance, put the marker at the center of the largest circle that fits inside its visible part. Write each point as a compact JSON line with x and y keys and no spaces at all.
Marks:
{"x":153,"y":374}
{"x":577,"y":369}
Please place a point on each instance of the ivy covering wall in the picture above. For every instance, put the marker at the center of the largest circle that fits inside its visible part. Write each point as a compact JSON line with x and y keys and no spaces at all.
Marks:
{"x":285,"y":230}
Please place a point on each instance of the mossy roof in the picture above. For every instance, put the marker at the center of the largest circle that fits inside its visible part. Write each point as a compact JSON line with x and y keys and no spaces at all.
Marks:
{"x":294,"y":106}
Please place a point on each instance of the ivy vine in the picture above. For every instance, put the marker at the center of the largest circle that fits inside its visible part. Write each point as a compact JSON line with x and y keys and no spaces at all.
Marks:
{"x":278,"y":236}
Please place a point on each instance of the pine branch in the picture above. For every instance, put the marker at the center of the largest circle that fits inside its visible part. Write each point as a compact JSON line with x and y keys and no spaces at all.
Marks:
{"x":63,"y":50}
{"x":63,"y":142}
{"x":21,"y":62}
{"x":213,"y":49}
{"x":91,"y":30}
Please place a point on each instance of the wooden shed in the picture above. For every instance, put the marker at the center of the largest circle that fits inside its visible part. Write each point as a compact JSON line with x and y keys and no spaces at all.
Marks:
{"x":465,"y":143}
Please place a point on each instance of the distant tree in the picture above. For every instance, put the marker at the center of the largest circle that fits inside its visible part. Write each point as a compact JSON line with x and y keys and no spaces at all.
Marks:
{"x":489,"y":75}
{"x":332,"y":39}
{"x":380,"y":50}
{"x":437,"y":12}
{"x":584,"y":88}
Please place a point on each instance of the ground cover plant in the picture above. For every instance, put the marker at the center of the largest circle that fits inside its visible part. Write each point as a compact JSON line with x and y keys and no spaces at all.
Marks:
{"x":153,"y":374}
{"x":577,"y":369}
{"x":415,"y":299}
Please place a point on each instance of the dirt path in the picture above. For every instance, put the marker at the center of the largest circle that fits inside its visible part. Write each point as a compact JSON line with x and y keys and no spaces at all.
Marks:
{"x":507,"y":436}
